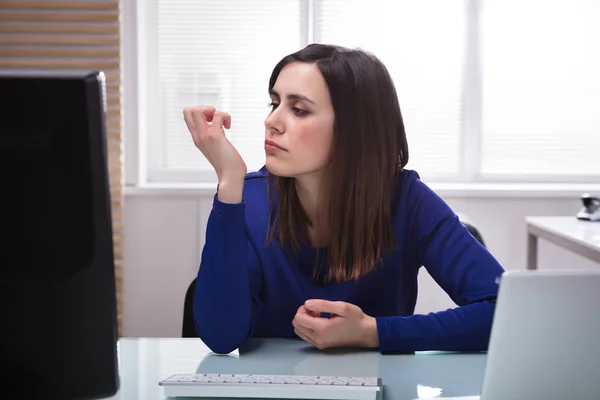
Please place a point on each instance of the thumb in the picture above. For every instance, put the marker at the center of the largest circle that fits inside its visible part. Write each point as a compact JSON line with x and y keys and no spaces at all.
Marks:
{"x":339,"y":308}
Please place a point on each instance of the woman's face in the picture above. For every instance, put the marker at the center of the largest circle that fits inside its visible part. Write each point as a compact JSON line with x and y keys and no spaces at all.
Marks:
{"x":299,"y":129}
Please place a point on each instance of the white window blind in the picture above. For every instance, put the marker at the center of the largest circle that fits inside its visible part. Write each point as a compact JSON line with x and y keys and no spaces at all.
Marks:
{"x":541,"y":89}
{"x":422,"y":43}
{"x":219,"y":53}
{"x":489,"y":90}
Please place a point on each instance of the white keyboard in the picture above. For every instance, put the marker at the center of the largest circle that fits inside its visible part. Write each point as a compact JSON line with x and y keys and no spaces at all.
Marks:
{"x":273,"y":386}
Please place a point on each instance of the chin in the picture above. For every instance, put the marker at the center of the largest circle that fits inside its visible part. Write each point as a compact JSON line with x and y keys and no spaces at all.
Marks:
{"x":279,"y":169}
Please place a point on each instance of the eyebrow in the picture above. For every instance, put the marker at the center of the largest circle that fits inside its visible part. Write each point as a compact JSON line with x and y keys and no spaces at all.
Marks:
{"x":293,"y":96}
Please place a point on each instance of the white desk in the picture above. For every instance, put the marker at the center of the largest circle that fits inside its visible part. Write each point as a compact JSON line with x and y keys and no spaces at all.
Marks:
{"x":580,"y":237}
{"x":143,"y":362}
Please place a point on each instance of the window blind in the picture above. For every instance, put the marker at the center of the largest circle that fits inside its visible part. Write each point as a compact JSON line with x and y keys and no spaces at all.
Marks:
{"x":74,"y":34}
{"x":422,"y":43}
{"x":541,"y":89}
{"x":217,"y":53}
{"x":488,"y":90}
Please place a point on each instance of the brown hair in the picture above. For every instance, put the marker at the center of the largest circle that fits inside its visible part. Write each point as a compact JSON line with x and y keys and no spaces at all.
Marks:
{"x":368,"y":149}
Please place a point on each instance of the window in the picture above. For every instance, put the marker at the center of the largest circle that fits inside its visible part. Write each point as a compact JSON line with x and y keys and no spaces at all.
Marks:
{"x":489,"y":90}
{"x":424,"y":51}
{"x":540,"y":88}
{"x":219,"y":53}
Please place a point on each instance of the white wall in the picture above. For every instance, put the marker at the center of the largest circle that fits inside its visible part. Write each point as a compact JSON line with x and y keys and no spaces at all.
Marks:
{"x":164,"y":233}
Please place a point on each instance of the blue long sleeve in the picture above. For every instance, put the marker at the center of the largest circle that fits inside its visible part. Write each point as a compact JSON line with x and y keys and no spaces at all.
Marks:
{"x":226,"y":299}
{"x":462,"y":267}
{"x":248,"y":288}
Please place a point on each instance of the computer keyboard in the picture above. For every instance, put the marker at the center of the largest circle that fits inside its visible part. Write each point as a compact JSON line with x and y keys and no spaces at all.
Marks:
{"x":273,"y":386}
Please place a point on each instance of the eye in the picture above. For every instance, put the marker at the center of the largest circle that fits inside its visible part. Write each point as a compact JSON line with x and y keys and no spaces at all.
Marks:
{"x":273,"y":105}
{"x":299,"y":112}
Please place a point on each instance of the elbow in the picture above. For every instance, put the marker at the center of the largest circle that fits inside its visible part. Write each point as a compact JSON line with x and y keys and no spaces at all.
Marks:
{"x":220,"y":339}
{"x":219,"y":347}
{"x":223,"y":325}
{"x":222,"y":350}
{"x":222,"y":331}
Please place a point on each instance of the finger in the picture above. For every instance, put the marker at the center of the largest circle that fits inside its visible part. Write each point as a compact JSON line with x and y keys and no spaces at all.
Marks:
{"x":198,"y":118}
{"x":304,"y":320}
{"x":222,"y":119}
{"x":340,"y":308}
{"x":312,"y":313}
{"x":316,"y":324}
{"x":189,"y":119}
{"x":303,"y":309}
{"x":305,"y":334}
{"x":304,"y":337}
{"x":200,"y":115}
{"x":208,"y":111}
{"x":305,"y":330}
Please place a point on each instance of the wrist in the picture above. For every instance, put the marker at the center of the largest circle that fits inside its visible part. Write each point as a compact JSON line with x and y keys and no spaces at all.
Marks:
{"x":370,"y":335}
{"x":230,"y":190}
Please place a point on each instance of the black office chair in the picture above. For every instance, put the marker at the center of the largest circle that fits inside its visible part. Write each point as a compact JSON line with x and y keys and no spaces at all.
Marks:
{"x":471,"y":228}
{"x":188,"y":329}
{"x":475,"y":233}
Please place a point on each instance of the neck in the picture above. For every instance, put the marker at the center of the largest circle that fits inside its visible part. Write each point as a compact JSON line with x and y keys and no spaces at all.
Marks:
{"x":310,"y":195}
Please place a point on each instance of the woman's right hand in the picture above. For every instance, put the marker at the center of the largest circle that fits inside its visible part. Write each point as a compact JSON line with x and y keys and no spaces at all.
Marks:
{"x":206,"y":125}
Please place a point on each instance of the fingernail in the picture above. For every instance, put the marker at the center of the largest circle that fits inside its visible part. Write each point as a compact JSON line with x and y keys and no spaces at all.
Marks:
{"x":309,"y":303}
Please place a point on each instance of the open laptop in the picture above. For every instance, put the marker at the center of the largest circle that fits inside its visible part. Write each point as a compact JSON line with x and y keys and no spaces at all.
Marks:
{"x":545,"y":341}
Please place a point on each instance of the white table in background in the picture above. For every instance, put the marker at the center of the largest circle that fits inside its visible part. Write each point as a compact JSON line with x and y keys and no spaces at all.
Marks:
{"x":580,"y":237}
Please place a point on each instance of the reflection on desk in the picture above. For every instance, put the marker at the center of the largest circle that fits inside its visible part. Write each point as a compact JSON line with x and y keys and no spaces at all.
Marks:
{"x":144,"y":362}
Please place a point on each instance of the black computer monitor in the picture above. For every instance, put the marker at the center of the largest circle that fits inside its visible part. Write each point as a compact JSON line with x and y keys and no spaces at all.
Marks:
{"x":58,"y":330}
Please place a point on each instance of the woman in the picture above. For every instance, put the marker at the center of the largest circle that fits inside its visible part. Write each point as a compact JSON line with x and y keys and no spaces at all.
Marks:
{"x":326,"y":241}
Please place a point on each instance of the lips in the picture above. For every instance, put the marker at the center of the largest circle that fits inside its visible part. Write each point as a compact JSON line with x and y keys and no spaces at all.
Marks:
{"x":270,"y":143}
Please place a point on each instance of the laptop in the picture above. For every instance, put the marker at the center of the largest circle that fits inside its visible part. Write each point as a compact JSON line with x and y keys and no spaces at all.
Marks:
{"x":545,"y":341}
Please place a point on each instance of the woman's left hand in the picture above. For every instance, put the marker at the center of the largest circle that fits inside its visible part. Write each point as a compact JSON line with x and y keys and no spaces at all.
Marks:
{"x":347,"y":325}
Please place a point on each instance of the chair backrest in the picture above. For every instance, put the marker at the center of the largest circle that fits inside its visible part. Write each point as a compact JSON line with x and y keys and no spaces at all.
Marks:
{"x":475,"y":232}
{"x":466,"y":221}
{"x":188,"y":329}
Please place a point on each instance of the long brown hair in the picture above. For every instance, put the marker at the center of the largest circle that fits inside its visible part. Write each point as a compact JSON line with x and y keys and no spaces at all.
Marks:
{"x":368,"y":149}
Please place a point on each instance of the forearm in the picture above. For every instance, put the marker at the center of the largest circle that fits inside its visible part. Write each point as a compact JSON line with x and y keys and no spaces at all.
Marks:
{"x":222,"y":301}
{"x":460,"y":329}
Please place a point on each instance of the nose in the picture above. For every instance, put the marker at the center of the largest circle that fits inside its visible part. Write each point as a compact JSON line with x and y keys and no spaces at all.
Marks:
{"x":274,"y":122}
